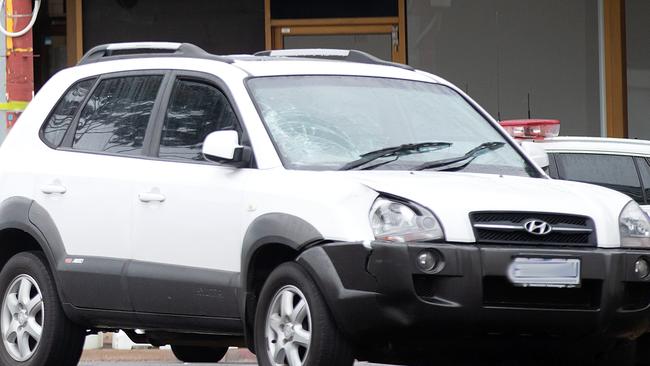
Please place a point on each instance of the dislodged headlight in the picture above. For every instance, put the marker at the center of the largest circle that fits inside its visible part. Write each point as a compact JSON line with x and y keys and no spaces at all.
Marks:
{"x":393,"y":220}
{"x":634,"y":226}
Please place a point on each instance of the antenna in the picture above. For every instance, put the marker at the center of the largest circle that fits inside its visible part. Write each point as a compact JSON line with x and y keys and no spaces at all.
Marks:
{"x":498,"y":71}
{"x":528,"y":105}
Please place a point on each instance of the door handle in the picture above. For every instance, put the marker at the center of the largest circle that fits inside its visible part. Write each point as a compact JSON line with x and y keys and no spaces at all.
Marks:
{"x":54,"y":188}
{"x":151,"y":197}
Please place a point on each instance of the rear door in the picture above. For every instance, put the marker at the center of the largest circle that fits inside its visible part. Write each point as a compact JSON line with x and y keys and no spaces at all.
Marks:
{"x":86,"y":181}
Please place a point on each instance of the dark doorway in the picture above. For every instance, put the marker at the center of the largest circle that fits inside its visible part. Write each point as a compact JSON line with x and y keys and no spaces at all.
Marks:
{"x":49,"y":41}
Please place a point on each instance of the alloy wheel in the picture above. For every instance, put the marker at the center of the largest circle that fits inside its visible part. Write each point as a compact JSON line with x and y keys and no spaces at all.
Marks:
{"x":288,"y":327}
{"x":21,"y":322}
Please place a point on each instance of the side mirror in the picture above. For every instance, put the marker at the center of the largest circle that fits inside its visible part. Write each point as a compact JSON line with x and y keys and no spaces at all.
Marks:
{"x":224,"y":147}
{"x":536,"y":153}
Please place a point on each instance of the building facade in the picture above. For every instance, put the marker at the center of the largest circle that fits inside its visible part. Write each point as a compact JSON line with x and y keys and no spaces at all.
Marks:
{"x":584,"y":62}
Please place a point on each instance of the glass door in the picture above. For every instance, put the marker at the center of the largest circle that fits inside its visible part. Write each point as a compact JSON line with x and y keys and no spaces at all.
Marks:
{"x":377,"y":36}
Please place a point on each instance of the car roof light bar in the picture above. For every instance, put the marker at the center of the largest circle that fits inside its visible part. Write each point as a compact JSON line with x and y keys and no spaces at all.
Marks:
{"x":536,"y":129}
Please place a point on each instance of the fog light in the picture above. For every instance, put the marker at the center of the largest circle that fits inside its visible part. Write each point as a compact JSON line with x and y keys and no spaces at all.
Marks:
{"x":427,"y":261}
{"x":641,"y":268}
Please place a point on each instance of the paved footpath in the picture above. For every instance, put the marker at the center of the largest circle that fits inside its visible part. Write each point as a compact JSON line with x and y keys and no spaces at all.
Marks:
{"x":154,"y":357}
{"x":163,"y":358}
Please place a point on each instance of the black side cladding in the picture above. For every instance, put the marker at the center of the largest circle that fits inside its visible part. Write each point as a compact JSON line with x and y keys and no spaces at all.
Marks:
{"x":271,"y":228}
{"x":276,"y":228}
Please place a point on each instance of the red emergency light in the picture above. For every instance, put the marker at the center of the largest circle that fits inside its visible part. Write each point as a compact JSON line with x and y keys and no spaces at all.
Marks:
{"x":536,"y":129}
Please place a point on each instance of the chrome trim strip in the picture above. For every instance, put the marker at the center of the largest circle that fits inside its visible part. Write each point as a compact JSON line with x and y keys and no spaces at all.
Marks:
{"x":570,"y":229}
{"x":559,"y":229}
{"x":499,"y":226}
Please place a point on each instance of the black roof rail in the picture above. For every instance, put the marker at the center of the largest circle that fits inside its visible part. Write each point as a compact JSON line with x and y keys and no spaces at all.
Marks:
{"x":117,"y":51}
{"x":333,"y":54}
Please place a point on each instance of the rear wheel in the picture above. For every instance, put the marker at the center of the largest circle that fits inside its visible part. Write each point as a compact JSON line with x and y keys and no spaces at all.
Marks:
{"x":293,"y":325}
{"x":621,"y":353}
{"x":33,"y":326}
{"x":199,"y":354}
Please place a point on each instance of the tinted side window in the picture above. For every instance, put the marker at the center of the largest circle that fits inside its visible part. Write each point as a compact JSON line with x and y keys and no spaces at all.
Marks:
{"x":644,"y":169}
{"x":195,"y":110}
{"x":56,"y":126}
{"x":611,"y":171}
{"x":116,"y":116}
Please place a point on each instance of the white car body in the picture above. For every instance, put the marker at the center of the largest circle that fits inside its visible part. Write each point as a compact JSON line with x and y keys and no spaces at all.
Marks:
{"x":193,"y":253}
{"x":284,"y":190}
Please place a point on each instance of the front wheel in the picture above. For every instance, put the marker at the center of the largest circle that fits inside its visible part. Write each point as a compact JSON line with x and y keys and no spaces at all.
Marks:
{"x":33,"y":326}
{"x":293,"y":325}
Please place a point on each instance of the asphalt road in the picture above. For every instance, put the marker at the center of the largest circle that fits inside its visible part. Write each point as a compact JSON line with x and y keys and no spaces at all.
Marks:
{"x":178,"y":363}
{"x":144,"y":363}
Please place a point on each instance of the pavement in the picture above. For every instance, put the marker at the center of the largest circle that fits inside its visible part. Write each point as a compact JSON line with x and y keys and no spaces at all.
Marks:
{"x":156,"y":357}
{"x":151,"y":356}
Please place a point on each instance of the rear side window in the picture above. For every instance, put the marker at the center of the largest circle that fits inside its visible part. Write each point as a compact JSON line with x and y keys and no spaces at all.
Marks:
{"x":57,"y":125}
{"x":612,"y":171}
{"x":115,"y":118}
{"x":195,"y":110}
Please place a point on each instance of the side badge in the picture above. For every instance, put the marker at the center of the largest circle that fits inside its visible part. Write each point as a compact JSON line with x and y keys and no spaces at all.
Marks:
{"x":74,"y":261}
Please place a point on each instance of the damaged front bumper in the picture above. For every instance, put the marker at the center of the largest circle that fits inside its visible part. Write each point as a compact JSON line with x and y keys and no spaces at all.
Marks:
{"x":378,"y":292}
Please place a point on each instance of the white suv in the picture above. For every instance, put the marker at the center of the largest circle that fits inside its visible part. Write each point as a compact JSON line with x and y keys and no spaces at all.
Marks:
{"x":313,"y":210}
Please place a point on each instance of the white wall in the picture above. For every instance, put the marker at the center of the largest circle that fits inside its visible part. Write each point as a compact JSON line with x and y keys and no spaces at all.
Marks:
{"x":638,"y":67}
{"x":500,"y":51}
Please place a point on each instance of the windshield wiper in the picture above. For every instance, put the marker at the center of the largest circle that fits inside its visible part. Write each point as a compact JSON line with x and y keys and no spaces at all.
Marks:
{"x":469,"y":156}
{"x":395,"y":151}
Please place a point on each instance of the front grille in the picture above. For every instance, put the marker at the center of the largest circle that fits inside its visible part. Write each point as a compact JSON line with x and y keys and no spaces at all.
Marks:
{"x":509,"y":228}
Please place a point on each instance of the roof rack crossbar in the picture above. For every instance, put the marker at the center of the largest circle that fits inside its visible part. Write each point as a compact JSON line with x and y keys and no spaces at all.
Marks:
{"x":115,"y":51}
{"x":334,"y":54}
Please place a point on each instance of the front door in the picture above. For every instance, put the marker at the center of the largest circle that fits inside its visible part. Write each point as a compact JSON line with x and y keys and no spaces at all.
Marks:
{"x":188,"y":211}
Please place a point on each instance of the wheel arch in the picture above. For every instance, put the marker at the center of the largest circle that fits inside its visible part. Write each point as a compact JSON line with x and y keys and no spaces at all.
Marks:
{"x":271,"y":239}
{"x":26,"y":226}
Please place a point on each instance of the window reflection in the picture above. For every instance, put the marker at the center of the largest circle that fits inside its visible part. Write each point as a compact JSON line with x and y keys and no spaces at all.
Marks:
{"x":195,"y":110}
{"x":59,"y":122}
{"x":116,"y":116}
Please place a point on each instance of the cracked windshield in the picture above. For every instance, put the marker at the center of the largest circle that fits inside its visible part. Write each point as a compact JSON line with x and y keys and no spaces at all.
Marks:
{"x":326,"y":122}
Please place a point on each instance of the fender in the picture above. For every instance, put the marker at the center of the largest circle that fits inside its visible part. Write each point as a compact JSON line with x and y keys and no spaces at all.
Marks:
{"x":270,"y":228}
{"x":28,"y":216}
{"x":350,"y":291}
{"x":275,"y":228}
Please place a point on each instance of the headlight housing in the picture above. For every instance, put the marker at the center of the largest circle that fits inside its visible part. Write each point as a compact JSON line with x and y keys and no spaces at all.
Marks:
{"x":401,"y":221}
{"x":634,"y":227}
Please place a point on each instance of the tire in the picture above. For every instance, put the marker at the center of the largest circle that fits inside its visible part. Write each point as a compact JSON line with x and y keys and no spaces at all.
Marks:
{"x":302,"y":329}
{"x":60,"y":342}
{"x":199,"y":354}
{"x":643,"y":350}
{"x":622,"y":353}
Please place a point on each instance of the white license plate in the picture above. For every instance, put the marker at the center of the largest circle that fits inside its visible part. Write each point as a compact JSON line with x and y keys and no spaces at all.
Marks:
{"x":545,"y":272}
